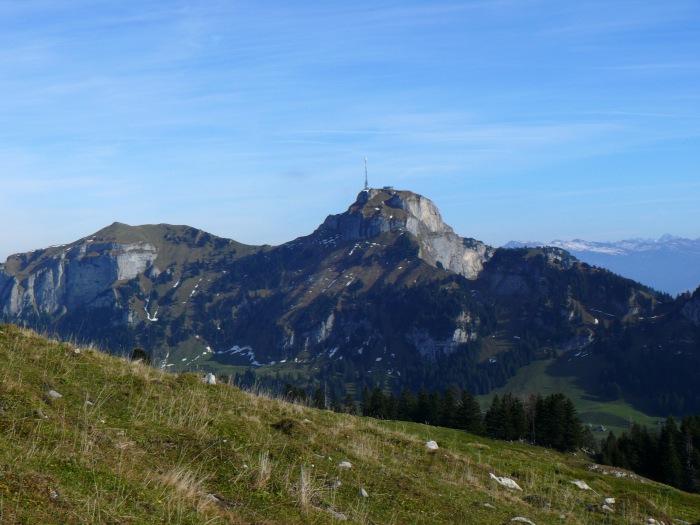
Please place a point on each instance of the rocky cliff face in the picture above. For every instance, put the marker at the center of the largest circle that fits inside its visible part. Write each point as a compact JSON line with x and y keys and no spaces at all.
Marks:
{"x":66,"y":278}
{"x":386,"y":210}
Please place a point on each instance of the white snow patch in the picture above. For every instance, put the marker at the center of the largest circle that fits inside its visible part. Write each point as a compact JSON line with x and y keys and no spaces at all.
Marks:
{"x":148,"y":315}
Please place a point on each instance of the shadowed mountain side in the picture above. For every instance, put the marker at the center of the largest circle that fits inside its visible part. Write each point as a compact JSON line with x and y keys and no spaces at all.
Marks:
{"x":383,"y":294}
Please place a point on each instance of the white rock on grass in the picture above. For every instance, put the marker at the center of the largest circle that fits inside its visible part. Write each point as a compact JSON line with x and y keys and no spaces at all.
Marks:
{"x":363,"y":493}
{"x":344,"y":464}
{"x":209,"y":379}
{"x":610,"y":501}
{"x":506,"y":482}
{"x":55,"y":394}
{"x":431,"y":445}
{"x":581,"y":484}
{"x":522,"y":520}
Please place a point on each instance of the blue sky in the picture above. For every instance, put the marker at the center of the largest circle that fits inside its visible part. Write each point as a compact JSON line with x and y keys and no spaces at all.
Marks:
{"x":529,"y":120}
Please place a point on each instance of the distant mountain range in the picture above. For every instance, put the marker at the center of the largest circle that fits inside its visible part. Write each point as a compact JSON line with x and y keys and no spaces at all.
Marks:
{"x":668,"y":264}
{"x":384,"y":293}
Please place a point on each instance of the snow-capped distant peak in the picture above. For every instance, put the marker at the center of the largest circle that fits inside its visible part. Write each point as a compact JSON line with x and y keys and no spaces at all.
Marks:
{"x":579,"y":245}
{"x":669,"y":263}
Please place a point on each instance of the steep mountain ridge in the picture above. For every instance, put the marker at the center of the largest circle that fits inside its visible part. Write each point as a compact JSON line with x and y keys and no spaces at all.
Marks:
{"x":59,"y":286}
{"x":384,"y":293}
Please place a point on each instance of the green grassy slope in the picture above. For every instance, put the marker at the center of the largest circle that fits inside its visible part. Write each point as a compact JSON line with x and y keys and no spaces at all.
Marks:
{"x":575,"y":377}
{"x":129,"y":444}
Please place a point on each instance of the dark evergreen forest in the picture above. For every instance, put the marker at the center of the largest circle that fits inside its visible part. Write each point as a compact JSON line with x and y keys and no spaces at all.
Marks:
{"x":671,"y":456}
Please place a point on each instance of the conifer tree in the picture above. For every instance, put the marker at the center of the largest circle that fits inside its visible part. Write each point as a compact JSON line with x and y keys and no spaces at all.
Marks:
{"x":391,"y":407}
{"x":495,"y":419}
{"x":377,"y":404}
{"x":670,"y":468}
{"x":469,"y":416}
{"x":448,"y":407}
{"x":516,"y":423}
{"x":572,"y":430}
{"x":349,"y":406}
{"x":422,"y":414}
{"x":319,"y":400}
{"x":407,"y":406}
{"x":365,"y":401}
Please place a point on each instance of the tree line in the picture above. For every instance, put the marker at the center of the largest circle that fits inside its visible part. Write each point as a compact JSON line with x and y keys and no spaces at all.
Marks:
{"x":671,"y":456}
{"x":551,"y":421}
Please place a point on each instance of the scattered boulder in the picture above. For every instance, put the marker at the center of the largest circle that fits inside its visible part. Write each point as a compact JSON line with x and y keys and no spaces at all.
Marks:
{"x":607,"y":508}
{"x":209,"y":379}
{"x":610,"y":501}
{"x":54,"y":394}
{"x":363,"y":493}
{"x":344,"y":464}
{"x":506,"y":482}
{"x":522,"y":520}
{"x":431,"y":445}
{"x":583,"y":486}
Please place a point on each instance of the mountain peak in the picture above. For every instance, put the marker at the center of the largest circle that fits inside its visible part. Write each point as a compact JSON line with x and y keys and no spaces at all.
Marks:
{"x":377,"y":211}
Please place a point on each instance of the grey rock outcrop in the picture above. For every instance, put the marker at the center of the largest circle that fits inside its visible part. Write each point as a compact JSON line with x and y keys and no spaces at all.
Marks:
{"x":377,"y":211}
{"x":59,"y":279}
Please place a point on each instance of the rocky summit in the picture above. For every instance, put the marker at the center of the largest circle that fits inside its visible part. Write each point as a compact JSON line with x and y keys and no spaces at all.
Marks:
{"x":386,"y":210}
{"x":384,"y":293}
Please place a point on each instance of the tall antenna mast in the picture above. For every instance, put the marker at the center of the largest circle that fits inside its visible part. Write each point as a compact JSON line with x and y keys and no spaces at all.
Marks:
{"x":366,"y":185}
